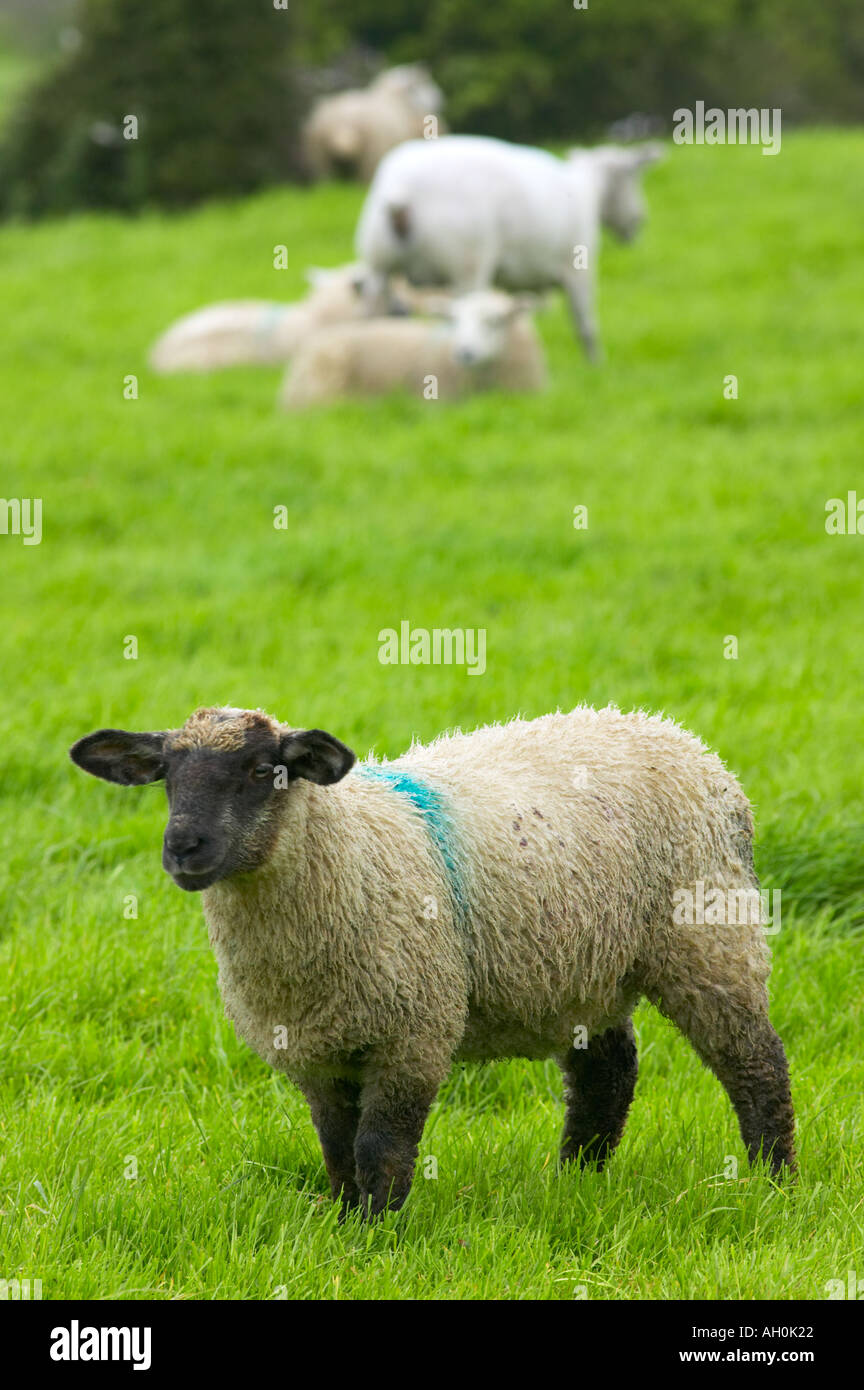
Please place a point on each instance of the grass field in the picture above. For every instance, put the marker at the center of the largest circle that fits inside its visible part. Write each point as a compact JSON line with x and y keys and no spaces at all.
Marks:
{"x":706,"y":520}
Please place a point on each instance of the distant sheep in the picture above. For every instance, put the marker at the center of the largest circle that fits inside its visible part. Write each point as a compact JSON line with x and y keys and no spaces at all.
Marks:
{"x":504,"y":893}
{"x":468,"y":212}
{"x":636,"y":126}
{"x":255,"y":332}
{"x":488,"y":341}
{"x":348,"y":134}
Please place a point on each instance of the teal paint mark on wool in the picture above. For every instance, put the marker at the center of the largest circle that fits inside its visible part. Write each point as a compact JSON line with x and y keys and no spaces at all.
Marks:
{"x":270,"y":316}
{"x":437,"y":818}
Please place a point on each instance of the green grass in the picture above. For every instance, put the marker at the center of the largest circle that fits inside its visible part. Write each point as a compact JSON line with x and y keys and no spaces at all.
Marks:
{"x":706,"y":519}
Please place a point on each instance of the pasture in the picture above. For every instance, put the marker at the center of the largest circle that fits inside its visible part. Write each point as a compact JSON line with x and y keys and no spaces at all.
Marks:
{"x":146,"y":1153}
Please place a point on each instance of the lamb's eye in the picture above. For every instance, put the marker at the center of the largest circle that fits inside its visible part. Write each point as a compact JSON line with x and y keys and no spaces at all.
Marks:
{"x":262,"y":770}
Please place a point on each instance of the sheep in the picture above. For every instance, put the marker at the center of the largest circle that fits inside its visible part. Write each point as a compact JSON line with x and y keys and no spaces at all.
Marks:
{"x":467,"y":211}
{"x":487,"y":341}
{"x":349,"y":133}
{"x":507,"y":892}
{"x":254,"y":332}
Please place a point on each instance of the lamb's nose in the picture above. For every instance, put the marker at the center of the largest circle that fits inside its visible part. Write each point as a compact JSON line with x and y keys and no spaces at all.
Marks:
{"x":183,"y":841}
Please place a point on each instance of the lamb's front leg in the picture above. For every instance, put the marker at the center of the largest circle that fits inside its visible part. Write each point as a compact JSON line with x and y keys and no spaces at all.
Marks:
{"x":335,"y":1107}
{"x":394,"y":1110}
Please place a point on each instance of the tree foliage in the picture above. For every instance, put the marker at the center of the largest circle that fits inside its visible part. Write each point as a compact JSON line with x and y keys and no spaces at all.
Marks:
{"x":208,"y":83}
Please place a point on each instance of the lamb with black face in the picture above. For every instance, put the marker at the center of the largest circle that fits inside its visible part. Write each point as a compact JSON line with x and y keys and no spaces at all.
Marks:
{"x":224,"y":791}
{"x":561,"y":916}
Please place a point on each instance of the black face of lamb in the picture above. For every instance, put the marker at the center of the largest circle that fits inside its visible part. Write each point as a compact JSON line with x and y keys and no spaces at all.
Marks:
{"x":224,"y":801}
{"x":223,"y":809}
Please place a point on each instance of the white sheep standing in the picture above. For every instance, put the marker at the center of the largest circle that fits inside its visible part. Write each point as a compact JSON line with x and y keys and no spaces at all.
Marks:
{"x":349,"y":133}
{"x":487,"y":340}
{"x":468,"y":212}
{"x":509,"y":892}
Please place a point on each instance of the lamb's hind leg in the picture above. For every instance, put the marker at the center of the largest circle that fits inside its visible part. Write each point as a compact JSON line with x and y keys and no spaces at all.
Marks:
{"x":714,"y":991}
{"x":599,"y":1081}
{"x":756,"y":1078}
{"x":579,"y":288}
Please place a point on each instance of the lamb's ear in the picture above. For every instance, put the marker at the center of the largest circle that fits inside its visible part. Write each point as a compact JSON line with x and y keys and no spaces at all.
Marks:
{"x":117,"y":756}
{"x":316,"y":755}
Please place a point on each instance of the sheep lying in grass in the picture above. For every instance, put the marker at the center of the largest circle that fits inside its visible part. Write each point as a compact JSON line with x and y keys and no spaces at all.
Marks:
{"x":468,"y":212}
{"x":347,"y":135}
{"x":256,"y":332}
{"x":487,"y":340}
{"x":503,"y":893}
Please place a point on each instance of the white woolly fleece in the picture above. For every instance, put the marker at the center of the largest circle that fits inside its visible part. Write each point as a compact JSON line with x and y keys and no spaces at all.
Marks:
{"x":570,"y":832}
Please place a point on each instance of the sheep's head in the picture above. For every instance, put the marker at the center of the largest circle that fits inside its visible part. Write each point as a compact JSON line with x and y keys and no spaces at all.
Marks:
{"x":227,"y":773}
{"x":481,"y":322}
{"x":413,"y":84}
{"x":336,"y":294}
{"x":340,"y":293}
{"x":622,"y":203}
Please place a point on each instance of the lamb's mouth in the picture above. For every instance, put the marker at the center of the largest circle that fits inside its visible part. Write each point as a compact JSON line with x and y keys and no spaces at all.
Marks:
{"x":195,"y":882}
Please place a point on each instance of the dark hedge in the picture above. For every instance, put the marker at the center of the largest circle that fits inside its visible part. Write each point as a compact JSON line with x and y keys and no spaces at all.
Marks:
{"x":219,"y":86}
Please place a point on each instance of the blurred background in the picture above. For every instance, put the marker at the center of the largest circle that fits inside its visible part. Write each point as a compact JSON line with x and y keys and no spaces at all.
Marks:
{"x":223,"y":88}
